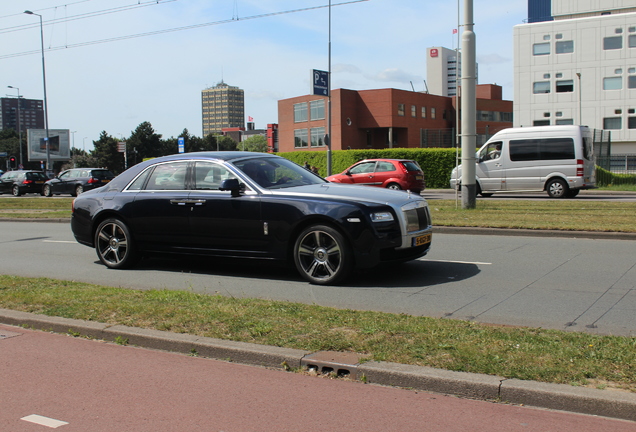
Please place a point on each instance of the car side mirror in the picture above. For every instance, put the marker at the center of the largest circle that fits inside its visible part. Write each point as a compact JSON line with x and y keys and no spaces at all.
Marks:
{"x":231,"y":185}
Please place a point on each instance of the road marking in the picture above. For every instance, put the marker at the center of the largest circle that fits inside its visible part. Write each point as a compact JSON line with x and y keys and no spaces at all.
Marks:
{"x":44,"y":421}
{"x":458,"y":262}
{"x":58,"y":241}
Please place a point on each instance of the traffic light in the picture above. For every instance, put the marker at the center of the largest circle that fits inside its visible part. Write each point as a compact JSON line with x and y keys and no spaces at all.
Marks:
{"x":12,"y":162}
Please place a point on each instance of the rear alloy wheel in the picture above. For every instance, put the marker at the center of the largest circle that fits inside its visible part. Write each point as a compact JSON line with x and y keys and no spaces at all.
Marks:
{"x":114,"y":245}
{"x":47,"y":191}
{"x":79,"y":189}
{"x":322,"y":255}
{"x":16,"y":190}
{"x":394,"y":186}
{"x":557,"y":188}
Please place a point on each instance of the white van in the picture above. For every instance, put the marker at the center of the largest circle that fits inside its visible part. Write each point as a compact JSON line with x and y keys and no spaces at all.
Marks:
{"x":556,"y":159}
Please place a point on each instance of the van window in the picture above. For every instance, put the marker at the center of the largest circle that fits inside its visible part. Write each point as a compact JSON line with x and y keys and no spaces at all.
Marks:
{"x":541,"y":149}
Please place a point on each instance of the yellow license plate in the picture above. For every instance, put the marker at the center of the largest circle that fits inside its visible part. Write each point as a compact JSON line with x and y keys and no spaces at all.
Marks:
{"x":39,"y":182}
{"x":105,"y":181}
{"x":422,"y":240}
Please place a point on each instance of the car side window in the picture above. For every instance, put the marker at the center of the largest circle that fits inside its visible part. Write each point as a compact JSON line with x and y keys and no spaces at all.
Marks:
{"x":363,"y":168}
{"x":208,"y":176}
{"x":168,"y":176}
{"x":384,"y":167}
{"x":65,"y":175}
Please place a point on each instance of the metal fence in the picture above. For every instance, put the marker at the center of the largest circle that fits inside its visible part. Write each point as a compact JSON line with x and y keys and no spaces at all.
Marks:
{"x":447,"y":138}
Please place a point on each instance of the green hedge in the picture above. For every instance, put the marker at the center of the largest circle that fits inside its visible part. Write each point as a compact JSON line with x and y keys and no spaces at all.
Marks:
{"x":605,"y":178}
{"x":436,"y":163}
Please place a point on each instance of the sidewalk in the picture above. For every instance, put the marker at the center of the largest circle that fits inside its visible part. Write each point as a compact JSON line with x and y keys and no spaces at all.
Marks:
{"x":607,"y":403}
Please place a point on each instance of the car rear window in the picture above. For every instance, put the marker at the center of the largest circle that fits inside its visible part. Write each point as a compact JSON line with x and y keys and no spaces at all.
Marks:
{"x":102,"y":174}
{"x":36,"y":176}
{"x":411,"y":166}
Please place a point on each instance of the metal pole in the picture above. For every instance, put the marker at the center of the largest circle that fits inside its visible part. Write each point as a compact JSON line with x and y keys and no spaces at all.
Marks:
{"x":578,"y":74}
{"x":18,"y":123}
{"x":46,"y":109}
{"x":469,"y":108}
{"x":329,"y":99}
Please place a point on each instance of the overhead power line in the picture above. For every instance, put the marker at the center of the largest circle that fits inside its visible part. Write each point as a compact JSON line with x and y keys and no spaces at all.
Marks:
{"x":85,"y":15}
{"x":175,"y":29}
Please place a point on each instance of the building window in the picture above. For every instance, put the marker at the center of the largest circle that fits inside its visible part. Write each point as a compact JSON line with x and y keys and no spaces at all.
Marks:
{"x":541,"y":49}
{"x":613,"y":42}
{"x":317,"y":109}
{"x":564,"y":47}
{"x":541,"y":87}
{"x":541,"y":123}
{"x":317,"y":137}
{"x":612,"y":83}
{"x":610,"y":123}
{"x":300,"y":112}
{"x":546,"y":37}
{"x":433,"y":113}
{"x":413,"y":111}
{"x":565,"y":86}
{"x":631,"y":81}
{"x":564,"y":122}
{"x":546,"y":76}
{"x":300,"y":138}
{"x":631,"y":122}
{"x":631,"y":41}
{"x":424,"y":111}
{"x":401,"y":110}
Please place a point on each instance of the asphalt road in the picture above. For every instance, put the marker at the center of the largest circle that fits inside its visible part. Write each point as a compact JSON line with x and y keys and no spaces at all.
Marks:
{"x":574,"y":284}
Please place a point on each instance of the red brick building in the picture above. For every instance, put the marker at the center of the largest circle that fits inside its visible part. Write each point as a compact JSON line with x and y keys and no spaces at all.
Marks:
{"x":383,"y":118}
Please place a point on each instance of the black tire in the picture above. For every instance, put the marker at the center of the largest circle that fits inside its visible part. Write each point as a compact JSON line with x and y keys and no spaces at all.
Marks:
{"x":483,"y":194}
{"x":114,"y":244}
{"x":572,"y":193}
{"x":79,"y":189}
{"x":557,"y":188}
{"x":394,"y":186}
{"x":322,"y":255}
{"x":46,"y":191}
{"x":16,"y":191}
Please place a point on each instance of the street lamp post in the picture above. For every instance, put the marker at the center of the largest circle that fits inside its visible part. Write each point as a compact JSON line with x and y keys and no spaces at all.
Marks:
{"x":46,"y":109}
{"x":19,"y":126}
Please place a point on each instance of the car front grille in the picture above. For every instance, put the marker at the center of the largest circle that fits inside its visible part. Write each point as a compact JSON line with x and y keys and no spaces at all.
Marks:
{"x":417,"y":219}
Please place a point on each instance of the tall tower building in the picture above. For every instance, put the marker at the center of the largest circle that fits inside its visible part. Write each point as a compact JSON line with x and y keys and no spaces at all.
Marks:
{"x":30,"y":111}
{"x":223,"y":106}
{"x":443,"y":71}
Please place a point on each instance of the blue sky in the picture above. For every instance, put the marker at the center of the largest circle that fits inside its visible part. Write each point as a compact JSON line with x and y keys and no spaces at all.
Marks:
{"x":115,"y":86}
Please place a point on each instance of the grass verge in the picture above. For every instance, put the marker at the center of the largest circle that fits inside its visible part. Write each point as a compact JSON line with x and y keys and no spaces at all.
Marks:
{"x":523,"y":353}
{"x":572,"y":215}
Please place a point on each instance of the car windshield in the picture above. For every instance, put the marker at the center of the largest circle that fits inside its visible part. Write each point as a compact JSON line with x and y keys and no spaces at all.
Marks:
{"x":277,"y":173}
{"x":36,"y":176}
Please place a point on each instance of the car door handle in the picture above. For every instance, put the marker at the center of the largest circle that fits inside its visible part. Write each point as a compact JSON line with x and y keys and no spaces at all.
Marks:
{"x":191,"y":202}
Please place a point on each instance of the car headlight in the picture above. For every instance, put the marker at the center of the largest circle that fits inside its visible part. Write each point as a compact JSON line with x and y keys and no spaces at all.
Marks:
{"x":382,"y":217}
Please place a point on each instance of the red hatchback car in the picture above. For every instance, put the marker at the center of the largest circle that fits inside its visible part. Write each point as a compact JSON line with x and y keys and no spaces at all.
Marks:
{"x":387,"y":173}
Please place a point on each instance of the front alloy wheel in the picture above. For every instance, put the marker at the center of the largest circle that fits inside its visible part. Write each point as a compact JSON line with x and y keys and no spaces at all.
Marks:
{"x":114,"y":245}
{"x":47,"y":191}
{"x":322,"y":256}
{"x":16,"y":191}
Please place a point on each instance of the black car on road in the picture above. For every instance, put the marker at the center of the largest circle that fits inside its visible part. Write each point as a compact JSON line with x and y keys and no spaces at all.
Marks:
{"x":21,"y":182}
{"x":77,"y":180}
{"x":250,"y":205}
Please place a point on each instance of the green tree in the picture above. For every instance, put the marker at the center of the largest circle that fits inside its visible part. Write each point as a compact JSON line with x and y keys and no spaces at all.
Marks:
{"x":225,"y":143}
{"x":255,"y":143}
{"x":106,"y":154}
{"x":143,"y":143}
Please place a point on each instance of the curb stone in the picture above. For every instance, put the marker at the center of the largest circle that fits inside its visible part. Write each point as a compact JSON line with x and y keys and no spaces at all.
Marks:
{"x":607,"y":403}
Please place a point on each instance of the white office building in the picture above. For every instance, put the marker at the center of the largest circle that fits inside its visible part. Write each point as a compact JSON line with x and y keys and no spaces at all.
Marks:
{"x":443,"y":71}
{"x":579,"y":67}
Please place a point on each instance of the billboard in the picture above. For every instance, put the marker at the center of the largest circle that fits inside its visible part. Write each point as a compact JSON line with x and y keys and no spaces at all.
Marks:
{"x":59,"y":144}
